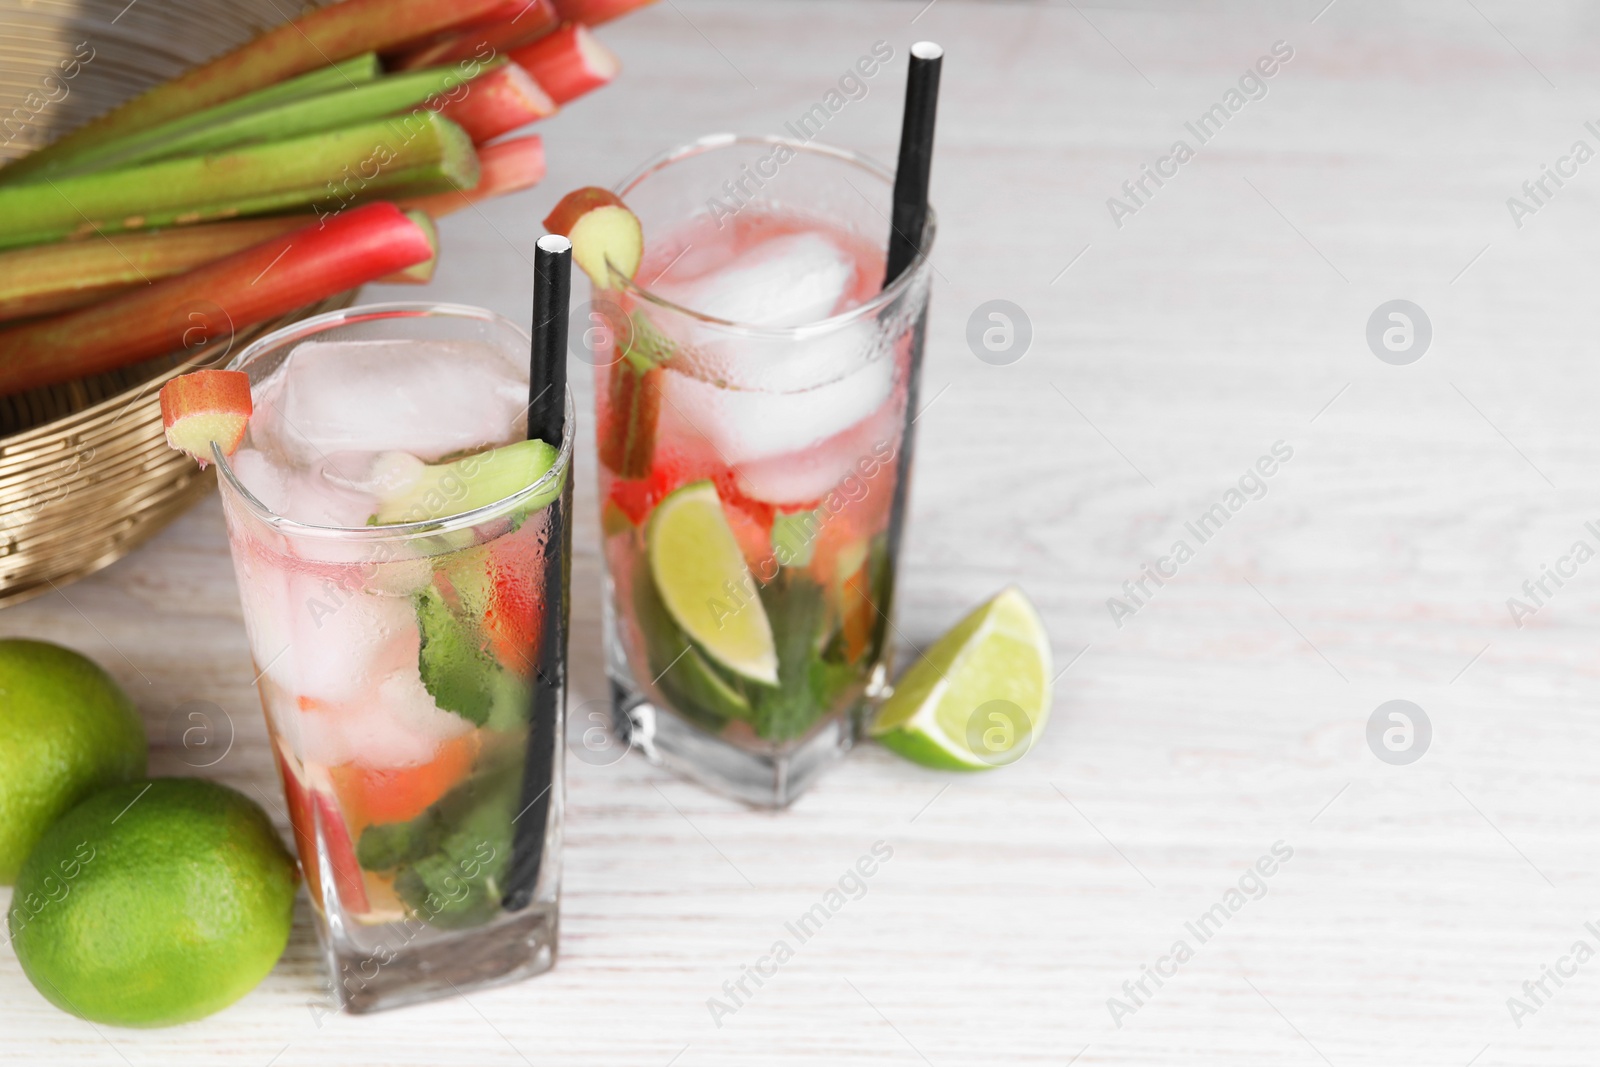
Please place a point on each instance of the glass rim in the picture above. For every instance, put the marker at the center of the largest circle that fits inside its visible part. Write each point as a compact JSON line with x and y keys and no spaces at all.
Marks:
{"x":306,"y":327}
{"x":888,"y":295}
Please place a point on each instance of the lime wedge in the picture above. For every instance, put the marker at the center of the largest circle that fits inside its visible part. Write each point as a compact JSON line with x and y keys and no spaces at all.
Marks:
{"x":701,"y":575}
{"x":977,"y":699}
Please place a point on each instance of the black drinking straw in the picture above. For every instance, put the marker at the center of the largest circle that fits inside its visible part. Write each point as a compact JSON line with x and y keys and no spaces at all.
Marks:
{"x":547,"y":364}
{"x":910,"y":211}
{"x":547,"y":409}
{"x":909,"y":218}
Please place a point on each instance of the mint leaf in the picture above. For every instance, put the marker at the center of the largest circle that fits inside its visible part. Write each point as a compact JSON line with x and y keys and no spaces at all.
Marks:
{"x":385,"y":846}
{"x":460,"y":674}
{"x":798,"y":611}
{"x":450,"y":862}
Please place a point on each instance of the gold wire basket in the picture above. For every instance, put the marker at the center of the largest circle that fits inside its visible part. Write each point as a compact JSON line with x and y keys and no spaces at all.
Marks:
{"x":85,"y":472}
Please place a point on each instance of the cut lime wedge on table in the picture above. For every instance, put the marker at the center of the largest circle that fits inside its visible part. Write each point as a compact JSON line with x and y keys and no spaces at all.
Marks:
{"x":979,"y":697}
{"x":701,"y":575}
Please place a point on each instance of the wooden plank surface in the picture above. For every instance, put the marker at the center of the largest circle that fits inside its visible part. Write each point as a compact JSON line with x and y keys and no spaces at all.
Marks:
{"x":1227,"y":714}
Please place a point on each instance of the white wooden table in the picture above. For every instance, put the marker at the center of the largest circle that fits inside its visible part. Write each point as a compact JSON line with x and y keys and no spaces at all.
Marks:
{"x":1229,"y":713}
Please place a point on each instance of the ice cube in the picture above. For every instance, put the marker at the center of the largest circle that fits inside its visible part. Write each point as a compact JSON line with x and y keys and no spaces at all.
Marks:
{"x":784,"y":281}
{"x":400,"y":726}
{"x":346,"y":639}
{"x":317,"y":500}
{"x":806,"y":476}
{"x":429,"y":398}
{"x":749,"y":425}
{"x":266,"y":481}
{"x":268,"y":618}
{"x":384,"y":475}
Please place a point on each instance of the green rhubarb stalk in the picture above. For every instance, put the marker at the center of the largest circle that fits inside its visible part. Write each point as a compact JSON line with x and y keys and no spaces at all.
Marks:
{"x":296,"y":118}
{"x":69,"y":274}
{"x":346,"y":74}
{"x":323,"y":36}
{"x":406,"y":155}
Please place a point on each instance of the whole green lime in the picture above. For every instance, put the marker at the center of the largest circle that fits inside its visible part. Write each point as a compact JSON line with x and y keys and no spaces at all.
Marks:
{"x":66,"y":730}
{"x":154,"y":903}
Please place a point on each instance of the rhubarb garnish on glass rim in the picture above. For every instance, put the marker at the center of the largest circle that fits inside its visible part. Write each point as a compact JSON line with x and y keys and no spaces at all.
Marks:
{"x":205,"y":408}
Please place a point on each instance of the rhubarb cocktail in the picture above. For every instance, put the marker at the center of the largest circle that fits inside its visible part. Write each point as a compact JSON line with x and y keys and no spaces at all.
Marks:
{"x":752,"y":409}
{"x":399,"y":552}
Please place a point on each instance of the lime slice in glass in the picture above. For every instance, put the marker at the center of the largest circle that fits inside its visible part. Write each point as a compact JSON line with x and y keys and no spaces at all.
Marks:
{"x":979,"y":697}
{"x":701,"y":575}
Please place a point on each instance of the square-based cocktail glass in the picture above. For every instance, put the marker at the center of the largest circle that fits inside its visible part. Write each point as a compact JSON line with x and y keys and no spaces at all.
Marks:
{"x":412,"y":673}
{"x":755,"y":384}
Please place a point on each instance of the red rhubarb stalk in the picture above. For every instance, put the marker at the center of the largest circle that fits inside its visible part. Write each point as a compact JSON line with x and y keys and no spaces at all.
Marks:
{"x":594,"y":12}
{"x":567,"y":63}
{"x":506,"y":167}
{"x":515,"y":23}
{"x":248,"y":287}
{"x":418,"y":273}
{"x":503,"y":100}
{"x":314,"y":40}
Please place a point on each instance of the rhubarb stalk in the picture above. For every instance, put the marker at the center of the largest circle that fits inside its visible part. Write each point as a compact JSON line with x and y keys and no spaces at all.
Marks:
{"x":507,"y":167}
{"x":51,"y":278}
{"x":415,"y":153}
{"x":503,"y":100}
{"x":295,"y":118}
{"x":594,"y":12}
{"x":248,"y":287}
{"x":358,"y":70}
{"x":515,"y":23}
{"x":314,"y":40}
{"x":567,"y":63}
{"x":418,"y":273}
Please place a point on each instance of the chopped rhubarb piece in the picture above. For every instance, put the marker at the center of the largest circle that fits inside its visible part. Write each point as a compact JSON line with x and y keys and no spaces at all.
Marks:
{"x":507,"y":167}
{"x":205,"y":408}
{"x":601,"y":229}
{"x":594,"y":12}
{"x":400,"y":794}
{"x":347,"y":876}
{"x":514,"y":617}
{"x":633,"y":405}
{"x":505,"y":99}
{"x":860,"y":614}
{"x":307,"y":808}
{"x":638,"y":497}
{"x":568,"y":62}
